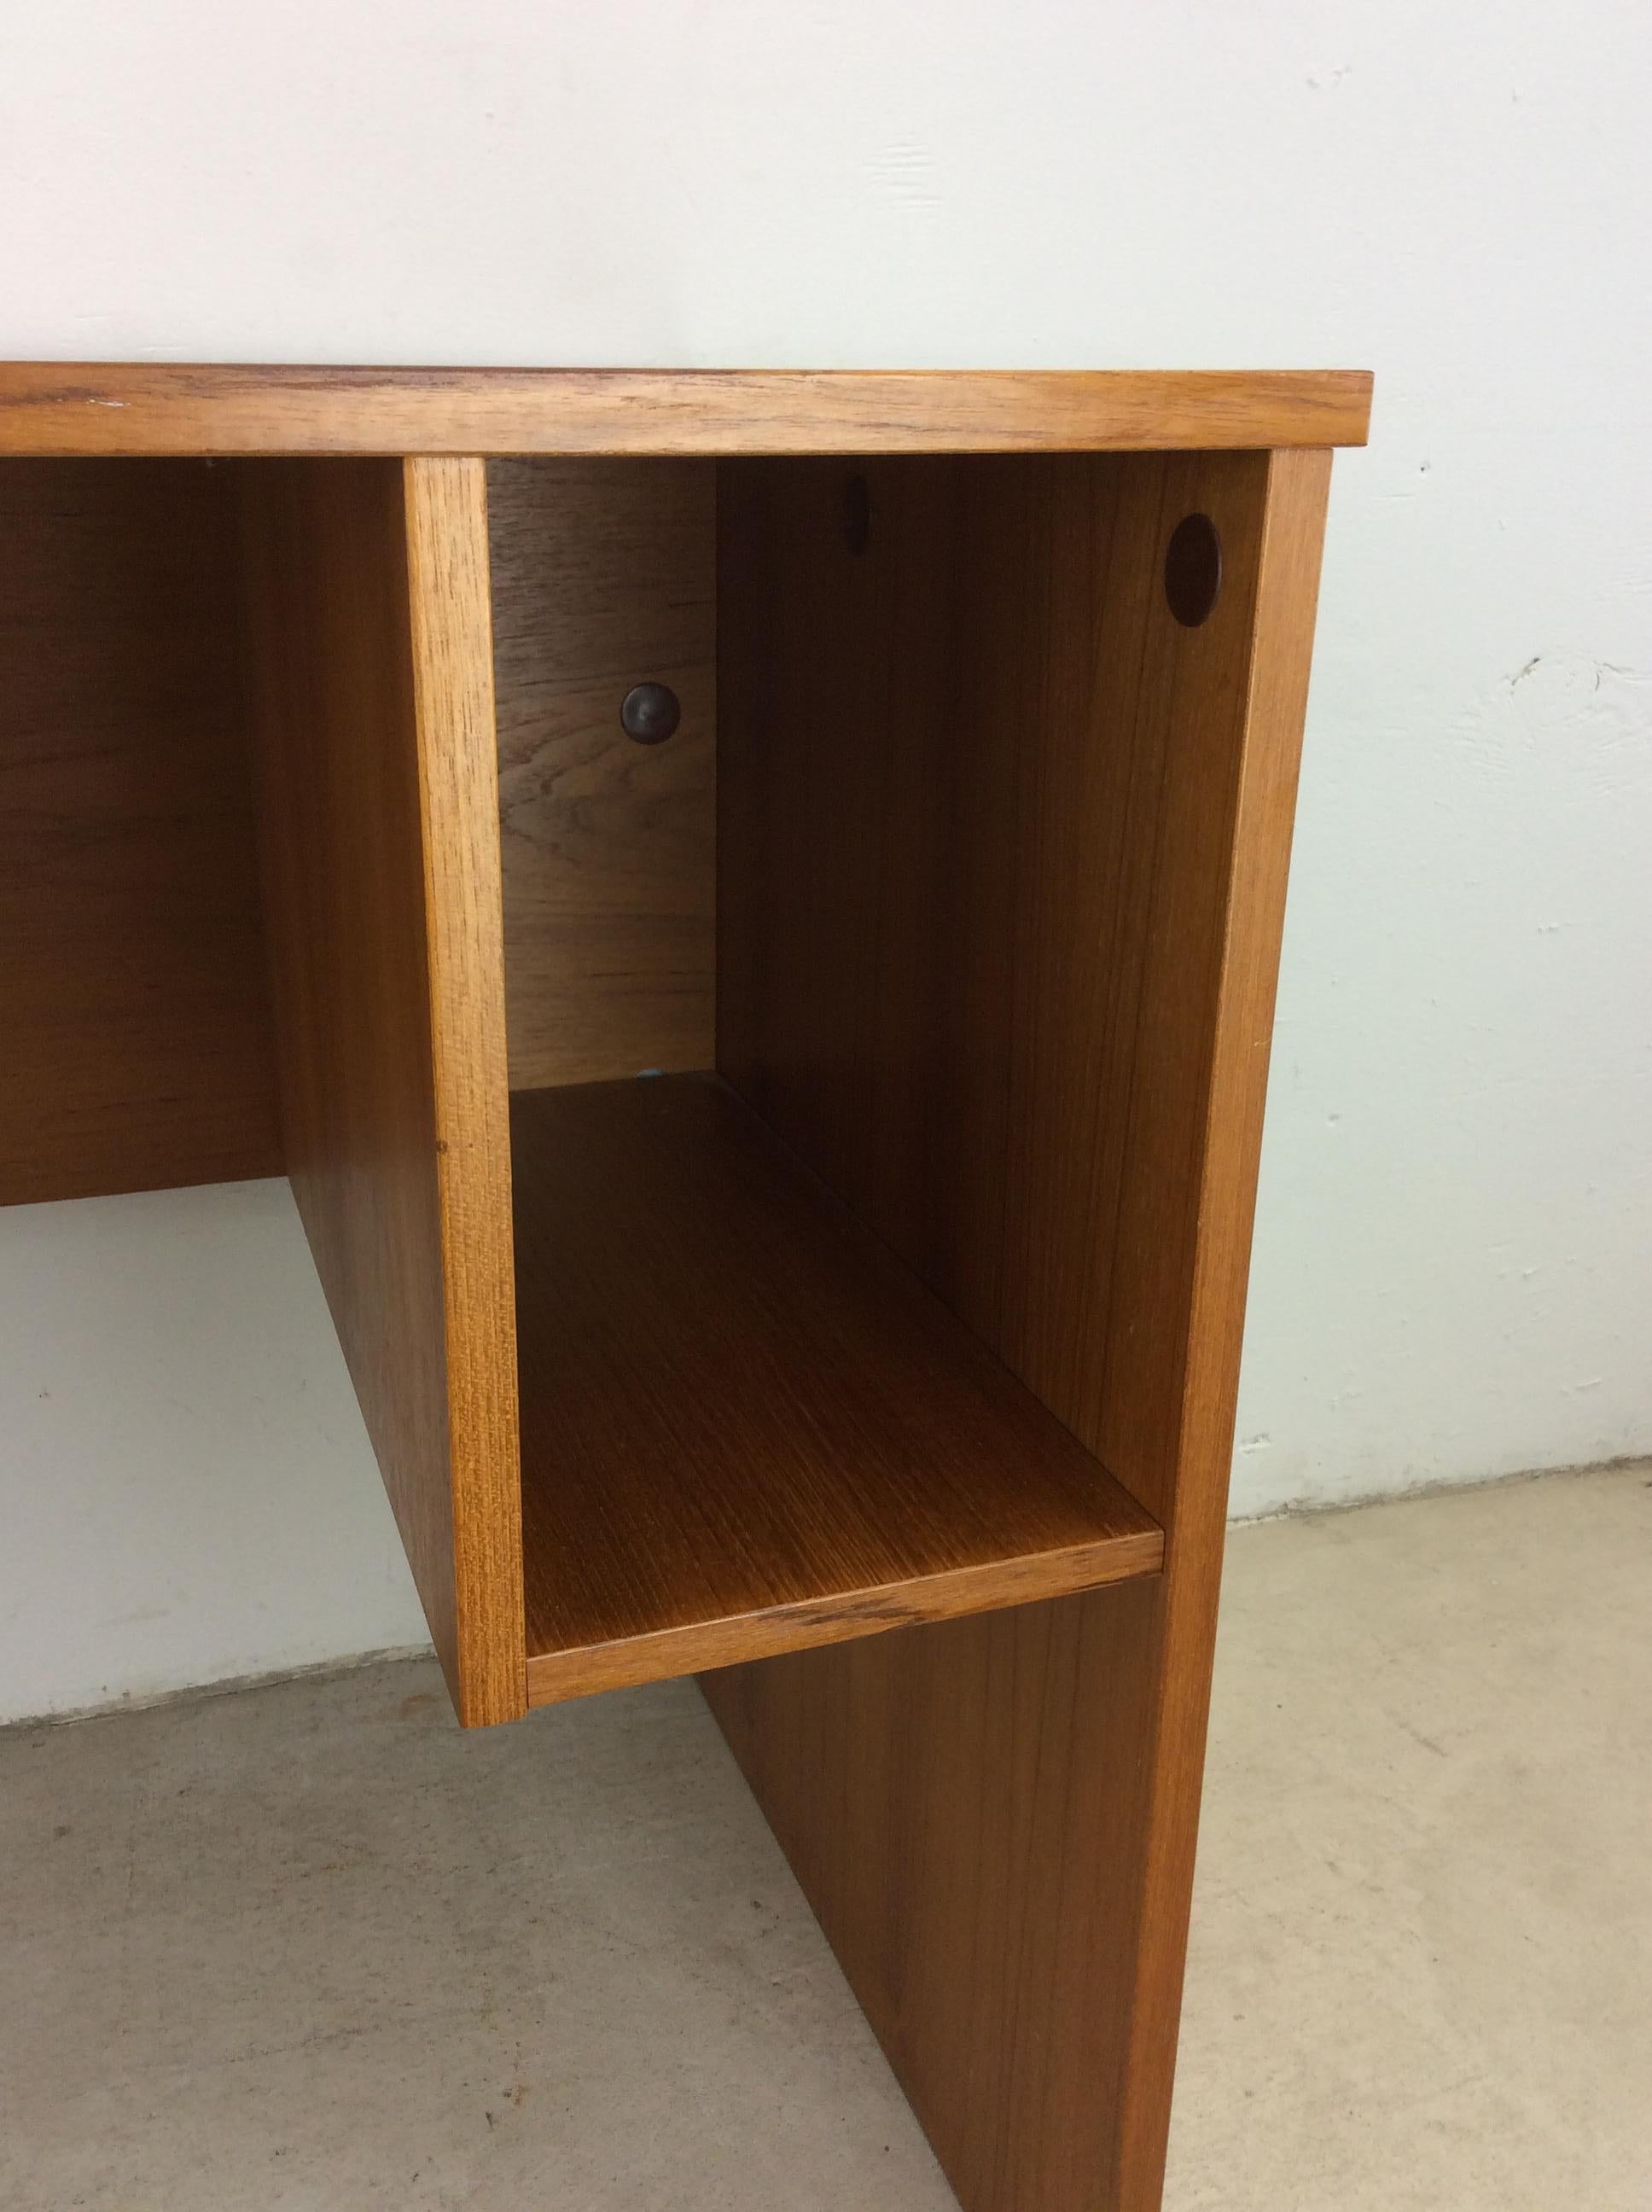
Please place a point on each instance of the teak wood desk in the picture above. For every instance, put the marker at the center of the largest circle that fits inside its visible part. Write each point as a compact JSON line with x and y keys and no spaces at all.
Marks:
{"x":895,"y":773}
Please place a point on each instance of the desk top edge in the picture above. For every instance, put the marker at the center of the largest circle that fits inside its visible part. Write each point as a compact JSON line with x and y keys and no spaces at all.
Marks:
{"x":183,"y":409}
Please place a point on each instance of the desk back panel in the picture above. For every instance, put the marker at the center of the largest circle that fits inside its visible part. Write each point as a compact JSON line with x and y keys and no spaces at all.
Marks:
{"x":134,"y":1021}
{"x":604,"y":576}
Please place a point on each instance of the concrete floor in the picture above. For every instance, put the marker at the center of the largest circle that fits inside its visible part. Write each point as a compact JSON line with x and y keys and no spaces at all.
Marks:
{"x":307,"y":1949}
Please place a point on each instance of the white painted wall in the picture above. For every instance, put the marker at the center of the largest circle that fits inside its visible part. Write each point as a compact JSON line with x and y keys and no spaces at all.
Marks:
{"x":1451,"y":1275}
{"x":187,"y":1490}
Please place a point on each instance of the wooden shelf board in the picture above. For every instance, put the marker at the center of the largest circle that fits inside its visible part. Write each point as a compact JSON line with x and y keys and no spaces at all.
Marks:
{"x":746,"y":1427}
{"x":178,"y":407}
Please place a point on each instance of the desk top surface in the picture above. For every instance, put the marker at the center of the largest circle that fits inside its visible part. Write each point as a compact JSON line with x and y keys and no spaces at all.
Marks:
{"x":71,"y":407}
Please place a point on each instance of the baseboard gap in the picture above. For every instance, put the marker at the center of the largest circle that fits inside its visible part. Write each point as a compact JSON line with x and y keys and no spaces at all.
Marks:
{"x":1445,"y":1485}
{"x":228,"y":1686}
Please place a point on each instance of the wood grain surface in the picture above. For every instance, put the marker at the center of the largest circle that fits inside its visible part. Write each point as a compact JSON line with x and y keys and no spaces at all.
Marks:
{"x":371,"y":664}
{"x":150,"y":407}
{"x":942,"y":829}
{"x":745,"y":1428}
{"x":603,"y":576}
{"x":134,"y":1021}
{"x":962,"y":1805}
{"x":1030,"y":1050}
{"x":1242,"y":793}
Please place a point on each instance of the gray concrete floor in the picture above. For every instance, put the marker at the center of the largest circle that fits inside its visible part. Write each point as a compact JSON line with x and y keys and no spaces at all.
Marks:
{"x":307,"y":1949}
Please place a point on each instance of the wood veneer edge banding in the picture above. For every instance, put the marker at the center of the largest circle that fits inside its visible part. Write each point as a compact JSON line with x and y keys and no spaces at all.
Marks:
{"x":459,"y":796}
{"x":204,"y":408}
{"x":705,"y":1647}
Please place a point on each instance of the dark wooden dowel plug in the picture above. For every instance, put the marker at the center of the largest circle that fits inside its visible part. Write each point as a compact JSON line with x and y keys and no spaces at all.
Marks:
{"x":650,"y":712}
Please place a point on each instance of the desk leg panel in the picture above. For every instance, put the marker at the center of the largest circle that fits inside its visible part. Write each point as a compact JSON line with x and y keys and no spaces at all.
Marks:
{"x":995,"y":1819}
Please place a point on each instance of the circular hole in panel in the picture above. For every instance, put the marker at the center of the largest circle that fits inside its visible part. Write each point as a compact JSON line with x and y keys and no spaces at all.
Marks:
{"x":1193,"y":569}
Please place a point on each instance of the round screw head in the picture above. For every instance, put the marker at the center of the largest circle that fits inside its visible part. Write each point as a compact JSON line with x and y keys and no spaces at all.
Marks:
{"x":649,"y":712}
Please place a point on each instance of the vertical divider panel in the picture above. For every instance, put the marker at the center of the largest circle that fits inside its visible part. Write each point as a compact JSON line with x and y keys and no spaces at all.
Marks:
{"x":369,"y":659}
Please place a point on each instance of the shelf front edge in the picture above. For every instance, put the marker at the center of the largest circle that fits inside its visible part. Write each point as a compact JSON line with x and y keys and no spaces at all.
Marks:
{"x":700,"y":1647}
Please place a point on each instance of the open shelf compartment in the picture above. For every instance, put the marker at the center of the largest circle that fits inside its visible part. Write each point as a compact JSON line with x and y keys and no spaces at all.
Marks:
{"x":746,"y":1426}
{"x":811,"y":1317}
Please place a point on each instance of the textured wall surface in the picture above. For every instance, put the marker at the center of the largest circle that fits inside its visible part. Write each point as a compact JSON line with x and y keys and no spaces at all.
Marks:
{"x":1451,"y":1277}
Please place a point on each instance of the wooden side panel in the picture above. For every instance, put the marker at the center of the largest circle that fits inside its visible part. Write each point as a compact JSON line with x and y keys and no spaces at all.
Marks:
{"x":978,"y":800}
{"x":604,"y":576}
{"x":134,"y":1024}
{"x":943,"y":765}
{"x":1038,"y":1068}
{"x":1236,"y":816}
{"x":963,"y":1805}
{"x":371,"y":661}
